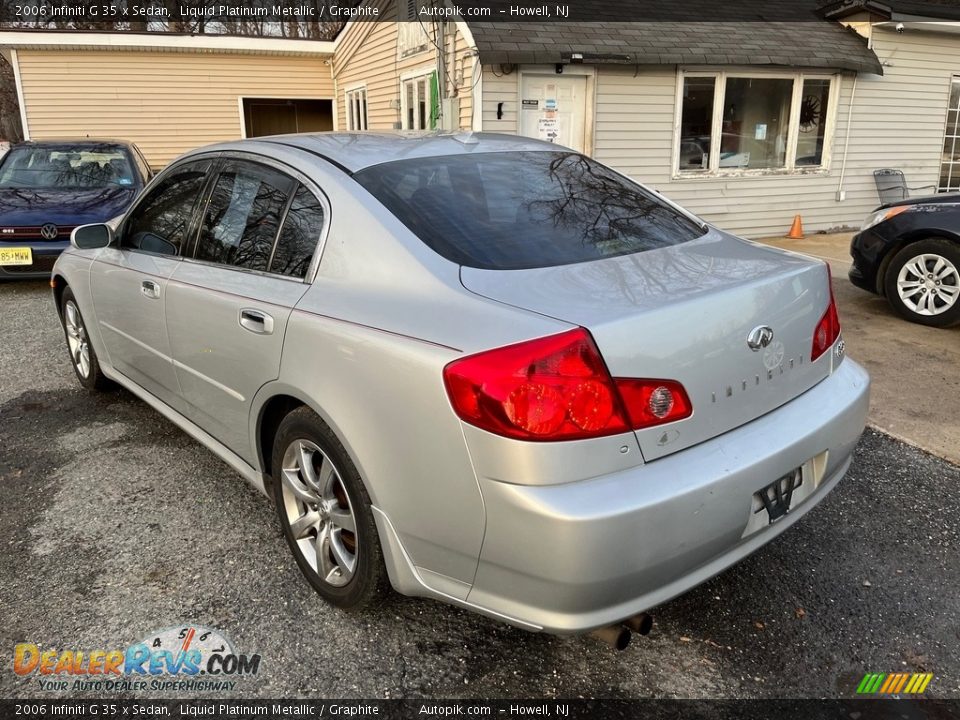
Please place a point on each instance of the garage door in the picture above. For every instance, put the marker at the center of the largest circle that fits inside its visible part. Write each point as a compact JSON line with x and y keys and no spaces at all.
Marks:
{"x":276,"y":116}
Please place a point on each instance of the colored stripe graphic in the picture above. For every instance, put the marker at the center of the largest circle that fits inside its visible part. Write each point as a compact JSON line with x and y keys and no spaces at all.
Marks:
{"x":894,"y":683}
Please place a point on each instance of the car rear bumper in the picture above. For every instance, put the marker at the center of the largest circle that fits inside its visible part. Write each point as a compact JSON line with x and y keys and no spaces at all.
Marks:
{"x":573,"y":557}
{"x":45,"y":254}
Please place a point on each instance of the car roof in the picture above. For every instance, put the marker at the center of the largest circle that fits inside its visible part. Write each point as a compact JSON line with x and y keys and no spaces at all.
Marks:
{"x":359,"y":150}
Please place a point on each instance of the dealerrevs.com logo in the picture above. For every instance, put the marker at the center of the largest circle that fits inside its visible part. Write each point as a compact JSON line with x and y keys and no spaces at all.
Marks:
{"x":190,"y":658}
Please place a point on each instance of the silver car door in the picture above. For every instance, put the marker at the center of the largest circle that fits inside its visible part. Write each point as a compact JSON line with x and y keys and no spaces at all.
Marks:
{"x":129,"y":280}
{"x":227,"y":306}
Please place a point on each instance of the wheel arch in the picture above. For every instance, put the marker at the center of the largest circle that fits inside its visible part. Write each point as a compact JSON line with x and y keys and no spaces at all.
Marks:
{"x":906,"y":239}
{"x":274,"y":402}
{"x":59,"y":283}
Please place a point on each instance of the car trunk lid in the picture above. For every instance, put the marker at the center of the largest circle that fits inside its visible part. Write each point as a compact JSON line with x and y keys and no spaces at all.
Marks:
{"x":685,"y":313}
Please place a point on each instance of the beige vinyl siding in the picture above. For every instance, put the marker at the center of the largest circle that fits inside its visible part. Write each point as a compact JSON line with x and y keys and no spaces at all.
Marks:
{"x":367,"y":56}
{"x":897,"y":121}
{"x":165,"y":102}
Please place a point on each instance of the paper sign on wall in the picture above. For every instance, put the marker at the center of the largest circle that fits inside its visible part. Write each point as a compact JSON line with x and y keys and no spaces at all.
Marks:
{"x":760,"y":131}
{"x":550,"y":104}
{"x":548,"y":129}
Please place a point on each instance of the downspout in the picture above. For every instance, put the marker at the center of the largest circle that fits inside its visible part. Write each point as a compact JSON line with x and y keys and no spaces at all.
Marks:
{"x":18,"y":82}
{"x":841,"y":196}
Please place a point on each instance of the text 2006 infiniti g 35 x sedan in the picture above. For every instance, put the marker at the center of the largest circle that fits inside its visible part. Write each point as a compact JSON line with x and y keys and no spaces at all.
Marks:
{"x":479,"y":368}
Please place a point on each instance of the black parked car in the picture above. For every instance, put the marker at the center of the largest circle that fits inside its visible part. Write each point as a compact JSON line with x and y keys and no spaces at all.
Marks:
{"x":909,"y":252}
{"x":48,"y":188}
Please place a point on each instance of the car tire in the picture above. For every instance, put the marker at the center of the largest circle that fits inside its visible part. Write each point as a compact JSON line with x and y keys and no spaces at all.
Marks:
{"x":325,"y":513}
{"x":922,"y":282}
{"x":83,"y":357}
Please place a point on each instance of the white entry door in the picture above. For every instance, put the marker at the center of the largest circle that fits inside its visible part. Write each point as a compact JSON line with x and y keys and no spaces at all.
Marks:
{"x":554,"y":108}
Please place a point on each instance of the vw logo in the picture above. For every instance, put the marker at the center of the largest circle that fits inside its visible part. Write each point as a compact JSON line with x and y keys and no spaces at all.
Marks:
{"x":760,"y":337}
{"x":48,"y":231}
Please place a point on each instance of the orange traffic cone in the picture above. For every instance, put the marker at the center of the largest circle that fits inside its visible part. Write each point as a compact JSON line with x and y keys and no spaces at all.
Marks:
{"x":796,"y":230}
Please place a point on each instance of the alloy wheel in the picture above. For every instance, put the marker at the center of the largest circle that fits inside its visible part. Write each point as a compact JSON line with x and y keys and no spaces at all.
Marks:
{"x":77,"y":339}
{"x":928,"y":284}
{"x":319,"y":513}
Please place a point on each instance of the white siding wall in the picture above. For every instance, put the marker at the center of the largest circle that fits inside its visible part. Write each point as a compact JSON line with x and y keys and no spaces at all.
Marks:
{"x":897,"y":121}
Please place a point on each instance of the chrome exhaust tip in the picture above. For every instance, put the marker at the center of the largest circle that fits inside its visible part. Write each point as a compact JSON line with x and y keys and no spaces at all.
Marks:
{"x":616,"y":636}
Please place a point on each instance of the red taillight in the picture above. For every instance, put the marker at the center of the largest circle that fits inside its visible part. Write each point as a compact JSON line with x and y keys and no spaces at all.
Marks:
{"x":557,"y":388}
{"x":828,"y":329}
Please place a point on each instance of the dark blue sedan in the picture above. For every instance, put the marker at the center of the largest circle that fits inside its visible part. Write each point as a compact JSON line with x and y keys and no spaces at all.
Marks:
{"x":48,"y":188}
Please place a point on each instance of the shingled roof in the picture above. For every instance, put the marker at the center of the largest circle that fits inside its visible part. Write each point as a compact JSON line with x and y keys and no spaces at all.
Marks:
{"x":785,"y":33}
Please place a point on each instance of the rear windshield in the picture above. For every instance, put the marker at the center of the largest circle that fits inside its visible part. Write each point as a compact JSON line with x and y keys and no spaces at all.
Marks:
{"x":66,"y":167}
{"x":506,"y":211}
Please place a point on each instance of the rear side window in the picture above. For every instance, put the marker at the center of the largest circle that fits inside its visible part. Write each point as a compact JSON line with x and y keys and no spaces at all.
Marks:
{"x":505,"y":211}
{"x":243,"y":216}
{"x":161,"y":221}
{"x":299,"y":236}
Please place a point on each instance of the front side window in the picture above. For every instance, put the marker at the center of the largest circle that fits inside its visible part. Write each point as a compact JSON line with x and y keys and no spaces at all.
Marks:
{"x":243,"y":216}
{"x":512,"y":210}
{"x":356,"y":109}
{"x":733,"y":123}
{"x":161,"y":221}
{"x":66,"y":167}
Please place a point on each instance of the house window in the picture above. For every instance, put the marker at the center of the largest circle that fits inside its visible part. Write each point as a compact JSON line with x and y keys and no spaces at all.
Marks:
{"x":950,"y":162}
{"x":731,"y":122}
{"x":356,"y":109}
{"x":411,"y":33}
{"x":415,"y":103}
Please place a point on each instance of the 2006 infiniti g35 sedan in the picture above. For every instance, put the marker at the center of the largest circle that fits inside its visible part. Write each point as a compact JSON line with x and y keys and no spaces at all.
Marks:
{"x":477,"y":368}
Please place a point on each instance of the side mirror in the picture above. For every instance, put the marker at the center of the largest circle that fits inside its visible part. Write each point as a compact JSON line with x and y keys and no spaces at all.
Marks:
{"x":90,"y":237}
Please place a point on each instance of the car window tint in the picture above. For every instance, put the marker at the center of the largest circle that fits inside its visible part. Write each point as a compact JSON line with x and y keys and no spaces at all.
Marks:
{"x":511,"y":210}
{"x":243,"y":216}
{"x":299,"y":236}
{"x":160,"y":223}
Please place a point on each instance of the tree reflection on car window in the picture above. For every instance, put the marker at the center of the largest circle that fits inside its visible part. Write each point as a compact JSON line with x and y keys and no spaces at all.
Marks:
{"x":160,"y":222}
{"x":514,"y":210}
{"x":300,"y":234}
{"x":242,"y":218}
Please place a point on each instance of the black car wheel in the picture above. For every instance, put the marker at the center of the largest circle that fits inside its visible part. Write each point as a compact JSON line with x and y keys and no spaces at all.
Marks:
{"x":922,"y":282}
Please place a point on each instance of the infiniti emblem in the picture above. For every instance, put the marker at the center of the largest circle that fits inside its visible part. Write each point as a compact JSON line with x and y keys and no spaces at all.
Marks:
{"x":48,"y":231}
{"x":760,"y":337}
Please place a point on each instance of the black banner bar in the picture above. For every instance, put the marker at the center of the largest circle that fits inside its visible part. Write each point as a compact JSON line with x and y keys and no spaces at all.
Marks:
{"x":505,"y":709}
{"x":79,"y":14}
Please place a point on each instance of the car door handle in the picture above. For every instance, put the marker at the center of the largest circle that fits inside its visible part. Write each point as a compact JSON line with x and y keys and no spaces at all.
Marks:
{"x":256,"y":321}
{"x":150,"y":289}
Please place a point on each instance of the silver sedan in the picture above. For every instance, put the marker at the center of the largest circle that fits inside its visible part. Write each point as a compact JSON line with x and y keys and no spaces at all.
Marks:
{"x":476,"y":368}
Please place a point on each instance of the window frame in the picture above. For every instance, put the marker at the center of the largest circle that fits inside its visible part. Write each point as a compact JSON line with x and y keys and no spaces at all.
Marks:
{"x":414,"y":76}
{"x":348,"y":100}
{"x":298,"y":178}
{"x":192,"y":225}
{"x":954,"y":80}
{"x":720,"y":77}
{"x":407,"y":18}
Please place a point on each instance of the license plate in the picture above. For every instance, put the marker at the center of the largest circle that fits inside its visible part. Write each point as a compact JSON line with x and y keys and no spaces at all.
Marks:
{"x":16,"y":256}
